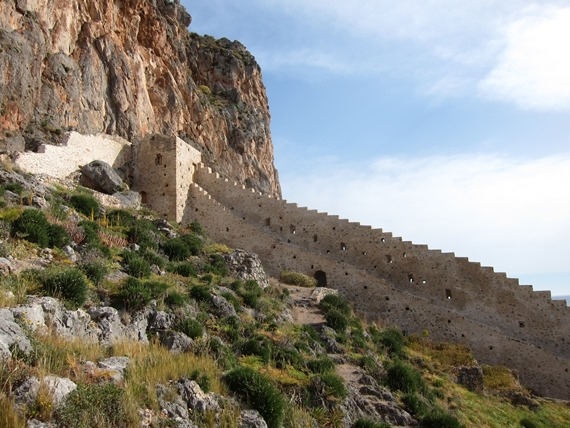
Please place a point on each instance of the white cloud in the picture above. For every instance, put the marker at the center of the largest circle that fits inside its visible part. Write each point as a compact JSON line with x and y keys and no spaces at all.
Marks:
{"x":513,"y":215}
{"x":533,"y":71}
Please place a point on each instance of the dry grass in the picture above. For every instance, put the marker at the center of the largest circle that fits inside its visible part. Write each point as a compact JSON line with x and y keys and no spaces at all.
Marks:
{"x":445,"y":354}
{"x":499,"y":378}
{"x":112,"y":240}
{"x":153,"y":364}
{"x":9,"y":417}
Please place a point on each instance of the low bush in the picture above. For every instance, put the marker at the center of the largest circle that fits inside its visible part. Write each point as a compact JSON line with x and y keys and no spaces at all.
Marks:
{"x":217,"y":249}
{"x":391,"y":340}
{"x":135,"y":265}
{"x":250,"y":292}
{"x":175,"y":299}
{"x":366,"y":423}
{"x":197,"y":228}
{"x":259,"y":346}
{"x":259,"y":392}
{"x":403,"y":377}
{"x":153,"y":257}
{"x":93,"y":406}
{"x":336,"y":320}
{"x":527,"y":423}
{"x":145,"y":234}
{"x":334,"y":301}
{"x":201,"y":293}
{"x":217,"y":265}
{"x":91,"y":232}
{"x":186,"y":269}
{"x":135,"y":294}
{"x":32,"y":225}
{"x":296,"y":278}
{"x":415,"y":404}
{"x":85,"y":204}
{"x":68,"y":284}
{"x":330,"y":385}
{"x":16,"y":188}
{"x":190,"y":327}
{"x":440,"y":419}
{"x":95,"y":270}
{"x":176,"y":249}
{"x":321,"y":365}
{"x":201,"y":379}
{"x":58,"y":236}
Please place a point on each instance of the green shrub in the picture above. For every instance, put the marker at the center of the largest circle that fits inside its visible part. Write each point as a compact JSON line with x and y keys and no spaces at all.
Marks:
{"x":95,"y":271}
{"x":93,"y":406}
{"x":190,"y":327}
{"x":135,"y":265}
{"x":336,"y":320}
{"x":197,"y":228}
{"x":403,"y":377}
{"x":68,"y":284}
{"x":176,"y":249}
{"x":440,"y":419}
{"x":366,"y":423}
{"x":32,"y":225}
{"x":186,"y":269}
{"x":334,"y":301}
{"x":392,"y":340}
{"x":259,"y":392}
{"x":329,"y":386}
{"x":201,"y":293}
{"x":152,"y":257}
{"x":58,"y":236}
{"x":217,"y":265}
{"x":296,"y":278}
{"x":201,"y":379}
{"x":321,"y":365}
{"x":136,"y":294}
{"x":415,"y":404}
{"x":85,"y":204}
{"x":284,"y":355}
{"x":233,"y":300}
{"x":16,"y":188}
{"x":175,"y":299}
{"x":527,"y":423}
{"x":91,"y":231}
{"x":259,"y":346}
{"x":145,"y":234}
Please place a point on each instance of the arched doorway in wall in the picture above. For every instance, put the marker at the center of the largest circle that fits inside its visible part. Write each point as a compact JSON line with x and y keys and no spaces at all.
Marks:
{"x":321,"y":278}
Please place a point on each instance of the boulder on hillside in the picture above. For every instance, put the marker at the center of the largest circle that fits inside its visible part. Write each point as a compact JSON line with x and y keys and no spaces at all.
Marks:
{"x":11,"y":336}
{"x":101,"y":176}
{"x":247,"y":266}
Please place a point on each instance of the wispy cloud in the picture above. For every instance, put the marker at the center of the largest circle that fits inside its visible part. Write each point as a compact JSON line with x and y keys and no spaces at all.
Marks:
{"x":533,"y":71}
{"x":513,"y":215}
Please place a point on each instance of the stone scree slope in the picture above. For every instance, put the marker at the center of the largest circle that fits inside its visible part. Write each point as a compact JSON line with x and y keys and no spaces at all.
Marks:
{"x":394,"y":281}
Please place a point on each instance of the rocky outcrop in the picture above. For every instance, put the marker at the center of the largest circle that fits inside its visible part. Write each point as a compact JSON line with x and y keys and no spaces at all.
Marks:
{"x":246,"y":266}
{"x":101,"y":176}
{"x":131,"y":68}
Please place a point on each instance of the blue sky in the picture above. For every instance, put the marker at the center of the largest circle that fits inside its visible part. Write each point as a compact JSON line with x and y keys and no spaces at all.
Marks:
{"x":444,"y":122}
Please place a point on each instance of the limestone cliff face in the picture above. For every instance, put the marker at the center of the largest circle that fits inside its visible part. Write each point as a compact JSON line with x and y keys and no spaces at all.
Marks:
{"x":130,"y":68}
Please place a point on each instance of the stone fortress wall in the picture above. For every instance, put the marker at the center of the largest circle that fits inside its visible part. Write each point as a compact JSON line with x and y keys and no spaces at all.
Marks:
{"x":389,"y":280}
{"x":164,"y":167}
{"x":396,"y":282}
